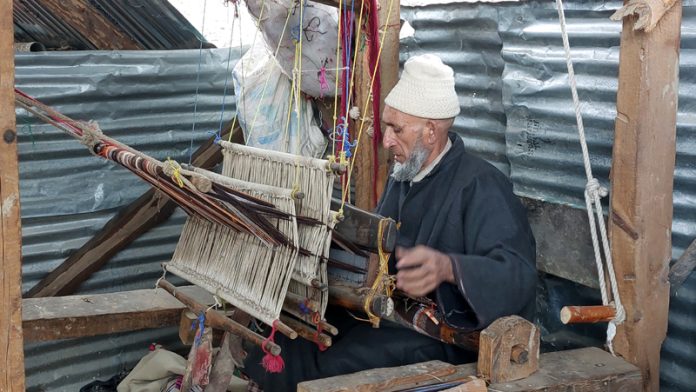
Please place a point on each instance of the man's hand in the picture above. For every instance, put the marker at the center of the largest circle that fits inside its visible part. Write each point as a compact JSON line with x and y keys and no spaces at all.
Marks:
{"x":422,"y":269}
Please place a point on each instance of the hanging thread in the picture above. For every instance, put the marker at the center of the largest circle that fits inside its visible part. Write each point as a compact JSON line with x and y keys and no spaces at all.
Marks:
{"x":272,"y":363}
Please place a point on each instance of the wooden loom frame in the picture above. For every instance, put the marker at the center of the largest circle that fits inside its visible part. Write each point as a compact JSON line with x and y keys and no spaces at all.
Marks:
{"x":641,"y":203}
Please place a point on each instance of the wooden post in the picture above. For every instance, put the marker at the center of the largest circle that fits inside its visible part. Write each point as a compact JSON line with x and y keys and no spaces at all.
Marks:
{"x":642,"y":176}
{"x":363,"y":171}
{"x":11,"y":342}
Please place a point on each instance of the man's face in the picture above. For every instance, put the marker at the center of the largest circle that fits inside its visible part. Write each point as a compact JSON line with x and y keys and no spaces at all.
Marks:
{"x":403,"y":134}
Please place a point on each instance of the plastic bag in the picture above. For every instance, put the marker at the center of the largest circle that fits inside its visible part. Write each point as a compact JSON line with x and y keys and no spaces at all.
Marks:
{"x":319,"y":33}
{"x":263,"y":116}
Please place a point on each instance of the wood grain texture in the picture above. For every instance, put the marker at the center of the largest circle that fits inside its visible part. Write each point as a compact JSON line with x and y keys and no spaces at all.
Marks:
{"x":91,"y":24}
{"x":587,"y":370}
{"x":508,"y":350}
{"x":642,"y":175}
{"x":96,"y":314}
{"x":11,"y":343}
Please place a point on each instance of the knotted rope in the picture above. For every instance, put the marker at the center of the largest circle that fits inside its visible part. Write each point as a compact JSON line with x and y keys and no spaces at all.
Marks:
{"x":593,"y":194}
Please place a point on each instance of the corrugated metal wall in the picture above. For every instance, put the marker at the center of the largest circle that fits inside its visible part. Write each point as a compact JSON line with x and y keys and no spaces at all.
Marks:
{"x":517,"y":113}
{"x":146,"y":100}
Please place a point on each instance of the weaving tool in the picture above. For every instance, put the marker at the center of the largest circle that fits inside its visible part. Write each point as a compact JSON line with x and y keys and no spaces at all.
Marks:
{"x":311,"y":181}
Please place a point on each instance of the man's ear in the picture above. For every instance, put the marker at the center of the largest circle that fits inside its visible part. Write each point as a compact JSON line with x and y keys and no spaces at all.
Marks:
{"x":430,"y":130}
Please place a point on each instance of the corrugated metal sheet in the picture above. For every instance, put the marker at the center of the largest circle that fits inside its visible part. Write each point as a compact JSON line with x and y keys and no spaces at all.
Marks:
{"x":153,"y":24}
{"x":535,"y":127}
{"x":466,"y":37}
{"x":146,"y":100}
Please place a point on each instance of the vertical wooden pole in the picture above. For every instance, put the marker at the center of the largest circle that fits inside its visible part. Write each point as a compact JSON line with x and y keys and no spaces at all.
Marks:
{"x":390,"y":23}
{"x":642,"y":181}
{"x":11,"y":344}
{"x":363,"y":172}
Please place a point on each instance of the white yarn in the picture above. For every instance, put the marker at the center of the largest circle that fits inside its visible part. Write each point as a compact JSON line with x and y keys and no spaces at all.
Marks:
{"x":593,"y":194}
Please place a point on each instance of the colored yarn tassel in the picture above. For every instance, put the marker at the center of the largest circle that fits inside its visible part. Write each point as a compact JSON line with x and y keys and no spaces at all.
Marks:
{"x":272,"y":363}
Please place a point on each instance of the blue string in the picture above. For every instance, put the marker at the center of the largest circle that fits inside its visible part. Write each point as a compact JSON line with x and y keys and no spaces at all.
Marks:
{"x":200,"y":322}
{"x":349,"y":55}
{"x":217,"y":135}
{"x":198,"y":78}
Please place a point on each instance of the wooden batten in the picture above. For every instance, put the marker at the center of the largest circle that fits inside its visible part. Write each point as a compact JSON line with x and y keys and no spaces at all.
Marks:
{"x":11,"y":341}
{"x":642,"y":176}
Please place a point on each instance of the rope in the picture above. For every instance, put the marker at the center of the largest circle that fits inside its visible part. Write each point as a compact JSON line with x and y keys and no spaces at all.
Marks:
{"x":227,"y":76}
{"x":383,"y":282}
{"x":198,"y":79}
{"x":593,"y":194}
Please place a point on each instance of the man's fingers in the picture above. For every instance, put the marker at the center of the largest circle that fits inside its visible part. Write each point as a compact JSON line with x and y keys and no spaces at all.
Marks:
{"x":414,"y":274}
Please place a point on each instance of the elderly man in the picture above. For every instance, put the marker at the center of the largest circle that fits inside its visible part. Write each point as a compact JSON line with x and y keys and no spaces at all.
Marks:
{"x":463,"y":239}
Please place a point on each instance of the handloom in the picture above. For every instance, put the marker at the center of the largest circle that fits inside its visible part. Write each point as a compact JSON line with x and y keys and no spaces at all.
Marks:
{"x":237,"y":266}
{"x":311,"y":181}
{"x":224,"y":210}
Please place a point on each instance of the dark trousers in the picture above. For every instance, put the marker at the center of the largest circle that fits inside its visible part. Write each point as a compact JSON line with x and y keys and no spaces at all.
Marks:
{"x":357,"y":347}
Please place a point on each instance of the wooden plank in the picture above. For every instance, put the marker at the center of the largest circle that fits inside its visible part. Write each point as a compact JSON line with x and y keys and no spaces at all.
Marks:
{"x":390,"y":24}
{"x":383,"y":379}
{"x":587,"y":369}
{"x":76,"y":316}
{"x":146,"y":212}
{"x":11,"y":344}
{"x":362,"y":228}
{"x":642,"y":183}
{"x":89,"y":22}
{"x":682,"y":268}
{"x":555,"y":224}
{"x":364,"y":170}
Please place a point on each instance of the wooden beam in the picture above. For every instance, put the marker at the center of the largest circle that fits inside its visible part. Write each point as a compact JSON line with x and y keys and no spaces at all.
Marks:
{"x":390,"y":24}
{"x":146,"y":212}
{"x":78,"y":316}
{"x":11,"y":344}
{"x":586,"y":369}
{"x":682,"y":268}
{"x":367,"y":192}
{"x":642,"y":176}
{"x":95,"y":27}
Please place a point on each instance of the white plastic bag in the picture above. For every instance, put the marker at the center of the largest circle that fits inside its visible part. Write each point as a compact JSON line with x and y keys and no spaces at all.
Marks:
{"x":319,"y":33}
{"x":264,"y":116}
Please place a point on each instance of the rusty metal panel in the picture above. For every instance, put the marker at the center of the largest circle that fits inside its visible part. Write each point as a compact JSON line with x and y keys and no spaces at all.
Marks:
{"x":151,"y":24}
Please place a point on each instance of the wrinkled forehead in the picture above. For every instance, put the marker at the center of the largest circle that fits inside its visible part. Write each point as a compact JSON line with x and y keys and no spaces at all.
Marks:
{"x":397,"y":118}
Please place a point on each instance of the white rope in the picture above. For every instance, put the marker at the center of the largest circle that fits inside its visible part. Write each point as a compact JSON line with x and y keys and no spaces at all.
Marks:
{"x":593,"y":194}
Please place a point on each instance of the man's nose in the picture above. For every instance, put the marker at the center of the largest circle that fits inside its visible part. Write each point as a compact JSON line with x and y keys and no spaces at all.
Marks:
{"x":388,"y":139}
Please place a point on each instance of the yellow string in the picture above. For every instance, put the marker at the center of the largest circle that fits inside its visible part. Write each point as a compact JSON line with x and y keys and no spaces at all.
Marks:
{"x":338,"y":61}
{"x":367,"y":102}
{"x":383,"y":282}
{"x":355,"y":53}
{"x":176,"y":172}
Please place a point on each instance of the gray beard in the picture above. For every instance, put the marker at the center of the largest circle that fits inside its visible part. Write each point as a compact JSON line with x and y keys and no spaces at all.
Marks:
{"x":408,"y":170}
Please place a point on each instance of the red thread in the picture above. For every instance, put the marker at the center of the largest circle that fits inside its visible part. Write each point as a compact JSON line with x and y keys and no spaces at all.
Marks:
{"x":316,"y":337}
{"x":272,"y":363}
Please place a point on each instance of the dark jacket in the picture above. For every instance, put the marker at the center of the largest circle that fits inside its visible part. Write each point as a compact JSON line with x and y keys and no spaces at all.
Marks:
{"x":466,"y":208}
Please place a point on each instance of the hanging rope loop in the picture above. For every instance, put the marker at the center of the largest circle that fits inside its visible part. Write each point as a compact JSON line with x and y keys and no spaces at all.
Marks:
{"x":593,"y":193}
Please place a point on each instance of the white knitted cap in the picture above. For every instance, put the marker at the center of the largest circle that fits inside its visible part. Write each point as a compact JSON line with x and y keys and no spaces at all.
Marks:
{"x":426,"y":89}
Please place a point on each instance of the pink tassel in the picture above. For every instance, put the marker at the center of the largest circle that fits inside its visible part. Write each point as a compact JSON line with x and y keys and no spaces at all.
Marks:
{"x":272,"y":363}
{"x":323,"y":84}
